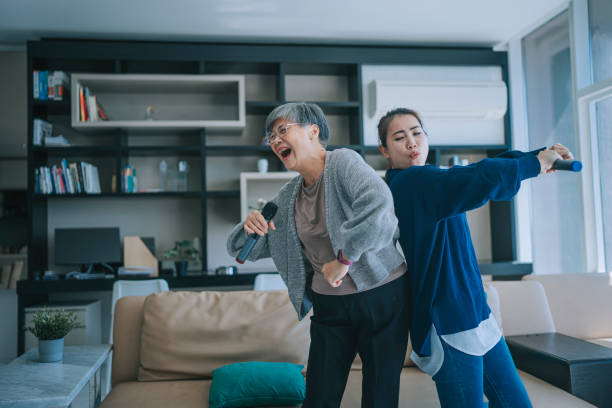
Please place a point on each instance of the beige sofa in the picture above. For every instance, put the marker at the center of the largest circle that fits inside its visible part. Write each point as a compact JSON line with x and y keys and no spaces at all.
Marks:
{"x":166,"y":346}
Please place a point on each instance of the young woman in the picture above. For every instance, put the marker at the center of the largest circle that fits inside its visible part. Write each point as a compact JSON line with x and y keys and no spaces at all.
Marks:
{"x":455,"y":338}
{"x":333,"y":242}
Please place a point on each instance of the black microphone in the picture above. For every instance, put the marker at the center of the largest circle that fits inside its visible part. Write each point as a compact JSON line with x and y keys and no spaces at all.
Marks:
{"x":268,"y":212}
{"x":569,"y":165}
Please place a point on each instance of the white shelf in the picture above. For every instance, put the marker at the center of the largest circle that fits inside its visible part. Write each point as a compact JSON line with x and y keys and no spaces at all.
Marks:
{"x":179,"y":101}
{"x":254,"y":185}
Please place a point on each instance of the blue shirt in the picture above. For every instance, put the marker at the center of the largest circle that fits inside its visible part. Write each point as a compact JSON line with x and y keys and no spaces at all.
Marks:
{"x":430,"y":204}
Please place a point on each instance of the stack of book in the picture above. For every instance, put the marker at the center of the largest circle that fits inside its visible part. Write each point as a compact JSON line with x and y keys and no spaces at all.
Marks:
{"x":41,"y":130}
{"x":73,"y":178}
{"x":42,"y":134}
{"x":50,"y":85}
{"x":90,"y":109}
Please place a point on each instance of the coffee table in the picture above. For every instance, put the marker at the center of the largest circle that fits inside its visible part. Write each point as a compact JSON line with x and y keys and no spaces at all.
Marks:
{"x":579,"y":367}
{"x":27,"y":383}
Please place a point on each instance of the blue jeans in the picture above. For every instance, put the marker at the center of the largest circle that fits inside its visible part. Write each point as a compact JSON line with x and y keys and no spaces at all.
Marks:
{"x":463,"y":378}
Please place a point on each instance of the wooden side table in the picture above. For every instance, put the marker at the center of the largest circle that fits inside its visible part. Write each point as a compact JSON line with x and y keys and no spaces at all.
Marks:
{"x":27,"y":383}
{"x":579,"y":367}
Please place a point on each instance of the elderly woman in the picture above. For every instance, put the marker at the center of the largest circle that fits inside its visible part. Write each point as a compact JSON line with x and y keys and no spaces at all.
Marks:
{"x":333,"y":242}
{"x":455,"y":338}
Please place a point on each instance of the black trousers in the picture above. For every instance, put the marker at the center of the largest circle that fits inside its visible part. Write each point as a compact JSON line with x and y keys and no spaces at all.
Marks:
{"x":373,"y":323}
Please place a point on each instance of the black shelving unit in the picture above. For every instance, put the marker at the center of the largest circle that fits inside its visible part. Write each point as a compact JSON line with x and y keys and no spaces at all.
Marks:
{"x":277,"y":63}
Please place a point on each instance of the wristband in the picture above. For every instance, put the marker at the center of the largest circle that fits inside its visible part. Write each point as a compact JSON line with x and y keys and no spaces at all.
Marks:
{"x":343,"y":260}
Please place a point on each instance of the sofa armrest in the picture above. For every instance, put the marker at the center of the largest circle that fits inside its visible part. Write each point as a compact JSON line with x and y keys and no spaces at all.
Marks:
{"x":524,"y":308}
{"x":129,"y":314}
{"x":580,"y":303}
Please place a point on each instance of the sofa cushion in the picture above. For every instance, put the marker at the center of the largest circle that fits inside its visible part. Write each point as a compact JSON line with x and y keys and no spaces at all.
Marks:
{"x":417,"y":389}
{"x":256,"y":384}
{"x":581,"y":303}
{"x":183,"y":394}
{"x":187,"y":335}
{"x":524,"y":308}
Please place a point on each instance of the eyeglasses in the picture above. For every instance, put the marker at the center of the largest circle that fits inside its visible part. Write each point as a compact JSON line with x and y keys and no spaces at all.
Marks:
{"x":281,"y":132}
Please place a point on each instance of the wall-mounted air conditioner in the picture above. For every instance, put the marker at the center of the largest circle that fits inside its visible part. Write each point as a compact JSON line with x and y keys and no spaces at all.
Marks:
{"x":484,"y":100}
{"x":455,"y":112}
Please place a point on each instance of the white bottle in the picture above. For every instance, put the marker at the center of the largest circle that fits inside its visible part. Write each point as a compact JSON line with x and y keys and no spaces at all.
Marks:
{"x":183,"y":170}
{"x":163,"y":175}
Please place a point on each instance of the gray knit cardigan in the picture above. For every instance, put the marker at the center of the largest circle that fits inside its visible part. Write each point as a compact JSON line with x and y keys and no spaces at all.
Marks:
{"x":360,"y":221}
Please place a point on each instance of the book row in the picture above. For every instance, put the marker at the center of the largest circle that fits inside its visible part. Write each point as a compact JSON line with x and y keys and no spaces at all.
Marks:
{"x":74,"y":178}
{"x":90,"y":109}
{"x":50,"y":85}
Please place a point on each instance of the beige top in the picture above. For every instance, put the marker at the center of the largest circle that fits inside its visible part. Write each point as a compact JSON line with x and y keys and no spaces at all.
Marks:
{"x":311,"y":224}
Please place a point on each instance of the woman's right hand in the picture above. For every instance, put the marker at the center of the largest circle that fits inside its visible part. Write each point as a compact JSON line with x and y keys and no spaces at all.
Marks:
{"x":256,"y":223}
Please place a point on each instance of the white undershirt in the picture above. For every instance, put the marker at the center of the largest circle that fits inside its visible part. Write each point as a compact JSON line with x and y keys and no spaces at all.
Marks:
{"x":476,"y":342}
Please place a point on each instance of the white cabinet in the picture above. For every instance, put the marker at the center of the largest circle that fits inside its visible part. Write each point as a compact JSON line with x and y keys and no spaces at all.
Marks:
{"x":260,"y":186}
{"x":88,"y":316}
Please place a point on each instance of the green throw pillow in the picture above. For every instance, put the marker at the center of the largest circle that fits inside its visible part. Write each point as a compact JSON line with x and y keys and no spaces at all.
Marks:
{"x":256,"y":384}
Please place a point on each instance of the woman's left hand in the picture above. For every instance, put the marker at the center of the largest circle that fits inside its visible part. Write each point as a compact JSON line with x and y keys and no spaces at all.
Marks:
{"x":333,"y":272}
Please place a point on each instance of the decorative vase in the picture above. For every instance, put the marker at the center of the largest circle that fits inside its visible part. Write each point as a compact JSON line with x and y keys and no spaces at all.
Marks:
{"x":50,"y":351}
{"x":181,"y":268}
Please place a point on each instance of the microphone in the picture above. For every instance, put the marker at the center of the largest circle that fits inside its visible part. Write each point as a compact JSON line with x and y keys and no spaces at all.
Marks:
{"x":268,"y":213}
{"x":569,"y":165}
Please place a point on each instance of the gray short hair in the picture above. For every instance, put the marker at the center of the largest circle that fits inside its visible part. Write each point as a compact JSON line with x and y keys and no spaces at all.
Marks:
{"x":303,"y":113}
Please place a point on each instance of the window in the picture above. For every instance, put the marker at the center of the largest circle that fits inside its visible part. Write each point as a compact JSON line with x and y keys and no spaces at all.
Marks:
{"x":600,"y":29}
{"x":603,"y":120}
{"x":556,"y":215}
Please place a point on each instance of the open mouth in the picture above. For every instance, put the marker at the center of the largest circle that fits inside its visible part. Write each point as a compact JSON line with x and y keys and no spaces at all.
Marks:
{"x":284,"y":152}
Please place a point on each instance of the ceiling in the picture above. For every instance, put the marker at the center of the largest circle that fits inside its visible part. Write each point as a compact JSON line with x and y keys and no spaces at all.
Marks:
{"x":407,"y":22}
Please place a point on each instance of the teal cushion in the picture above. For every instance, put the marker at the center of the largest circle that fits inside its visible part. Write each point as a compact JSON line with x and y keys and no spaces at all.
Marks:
{"x":256,"y":384}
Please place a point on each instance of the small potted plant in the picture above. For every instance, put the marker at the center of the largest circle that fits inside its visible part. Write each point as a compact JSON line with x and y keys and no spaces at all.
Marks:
{"x":182,"y":253}
{"x":50,"y":327}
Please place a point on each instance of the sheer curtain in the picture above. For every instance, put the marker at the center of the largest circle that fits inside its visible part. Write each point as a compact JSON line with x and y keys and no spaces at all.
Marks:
{"x":556,"y":212}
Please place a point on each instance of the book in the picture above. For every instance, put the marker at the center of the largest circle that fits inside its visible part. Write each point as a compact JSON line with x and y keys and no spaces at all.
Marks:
{"x":101,"y":113}
{"x":50,"y":86}
{"x":49,"y":180}
{"x":35,"y":87}
{"x":74,"y":173}
{"x":16,"y":274}
{"x":91,"y":107}
{"x":37,"y":181}
{"x":43,"y":84}
{"x":96,"y":180}
{"x":6,"y":276}
{"x":41,"y":130}
{"x":58,"y":140}
{"x":67,"y":177}
{"x":82,"y":104}
{"x":60,"y":83}
{"x":80,"y":177}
